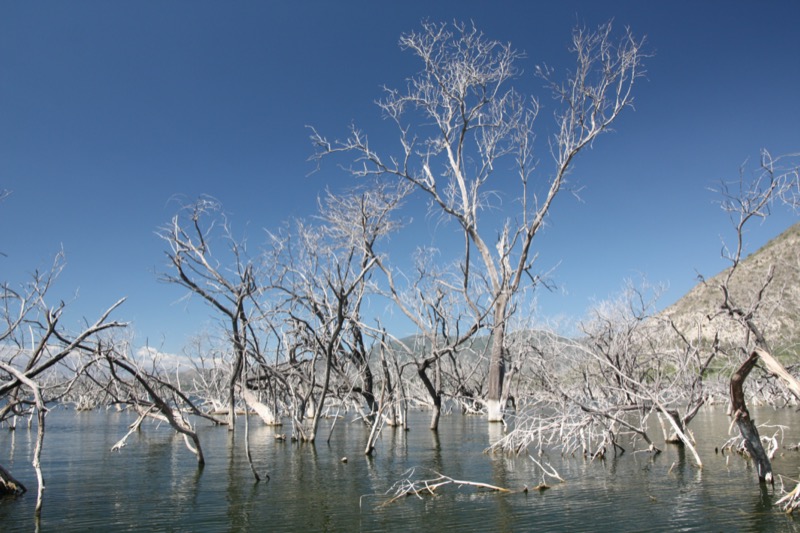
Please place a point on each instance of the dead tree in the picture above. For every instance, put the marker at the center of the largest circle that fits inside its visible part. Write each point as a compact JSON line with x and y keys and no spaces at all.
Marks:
{"x":229,"y":288}
{"x":752,"y":199}
{"x":208,"y":376}
{"x":359,"y":220}
{"x":596,"y":394}
{"x":34,"y":346}
{"x":152,"y":395}
{"x":437,"y":301}
{"x":319,"y":280}
{"x":459,"y":120}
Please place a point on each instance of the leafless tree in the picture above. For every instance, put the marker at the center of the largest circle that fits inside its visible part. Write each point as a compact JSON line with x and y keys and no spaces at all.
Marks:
{"x":318,"y":293}
{"x":230,"y":288}
{"x":751,"y":198}
{"x":359,"y":220}
{"x":432,"y":300}
{"x":146,"y":387}
{"x":460,"y":124}
{"x":208,"y":374}
{"x":34,"y":346}
{"x":321,"y":278}
{"x":597,"y":393}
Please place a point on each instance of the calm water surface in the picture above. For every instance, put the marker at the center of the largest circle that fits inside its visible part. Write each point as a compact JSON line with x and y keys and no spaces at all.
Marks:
{"x":153,"y":484}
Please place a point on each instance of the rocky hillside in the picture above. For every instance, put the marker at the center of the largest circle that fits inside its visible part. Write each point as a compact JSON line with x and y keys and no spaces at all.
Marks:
{"x":779,"y":315}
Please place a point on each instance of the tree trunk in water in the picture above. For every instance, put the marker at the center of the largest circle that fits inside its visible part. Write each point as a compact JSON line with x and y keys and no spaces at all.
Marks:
{"x":367,"y":392}
{"x":237,"y":370}
{"x":436,"y":413}
{"x":497,"y":365}
{"x":231,"y":409}
{"x":320,"y":405}
{"x":673,"y":437}
{"x":422,"y":371}
{"x":747,"y":426}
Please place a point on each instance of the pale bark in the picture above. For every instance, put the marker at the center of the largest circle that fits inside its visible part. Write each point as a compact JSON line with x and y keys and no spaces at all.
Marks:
{"x":133,"y":428}
{"x":265,"y":412}
{"x":494,"y":411}
{"x":774,"y":366}
{"x":423,"y":487}
{"x":198,"y":271}
{"x":172,"y":416}
{"x":497,"y":364}
{"x":41,"y":410}
{"x":472,"y":121}
{"x":378,"y":421}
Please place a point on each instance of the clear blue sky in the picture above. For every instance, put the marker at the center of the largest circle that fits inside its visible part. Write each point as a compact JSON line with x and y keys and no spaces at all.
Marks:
{"x":110,"y":109}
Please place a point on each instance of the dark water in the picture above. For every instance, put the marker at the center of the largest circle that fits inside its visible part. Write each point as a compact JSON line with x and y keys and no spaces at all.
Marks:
{"x":153,"y":484}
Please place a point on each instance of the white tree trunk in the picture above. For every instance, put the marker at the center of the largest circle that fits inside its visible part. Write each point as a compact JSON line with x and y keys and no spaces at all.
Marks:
{"x":262,"y":410}
{"x":494,"y":410}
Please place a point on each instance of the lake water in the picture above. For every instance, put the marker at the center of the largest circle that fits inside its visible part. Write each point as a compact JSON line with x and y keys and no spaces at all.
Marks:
{"x":153,"y":483}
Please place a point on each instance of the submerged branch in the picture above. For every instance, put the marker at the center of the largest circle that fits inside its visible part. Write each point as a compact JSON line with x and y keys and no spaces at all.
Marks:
{"x":421,"y":487}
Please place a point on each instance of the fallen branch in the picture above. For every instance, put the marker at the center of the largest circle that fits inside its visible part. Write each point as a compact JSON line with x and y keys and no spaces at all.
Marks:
{"x":791,"y":501}
{"x":133,"y":428}
{"x":422,"y":487}
{"x":552,"y":473}
{"x":775,"y":367}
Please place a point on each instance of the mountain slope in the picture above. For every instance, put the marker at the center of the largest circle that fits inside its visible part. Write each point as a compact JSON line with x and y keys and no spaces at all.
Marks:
{"x":779,"y":314}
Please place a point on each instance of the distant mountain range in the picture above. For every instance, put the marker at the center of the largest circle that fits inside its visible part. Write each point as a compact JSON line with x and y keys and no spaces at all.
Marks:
{"x":779,"y":314}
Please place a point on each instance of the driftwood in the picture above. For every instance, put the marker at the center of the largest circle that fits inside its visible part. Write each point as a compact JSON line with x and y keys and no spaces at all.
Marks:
{"x":423,"y":487}
{"x":547,"y":472}
{"x":790,"y":501}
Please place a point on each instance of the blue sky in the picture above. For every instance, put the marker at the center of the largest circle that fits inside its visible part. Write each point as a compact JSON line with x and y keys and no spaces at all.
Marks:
{"x":109,"y":111}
